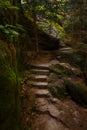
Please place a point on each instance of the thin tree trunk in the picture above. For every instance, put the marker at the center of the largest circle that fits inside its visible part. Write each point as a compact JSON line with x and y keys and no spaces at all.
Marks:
{"x":36,"y":34}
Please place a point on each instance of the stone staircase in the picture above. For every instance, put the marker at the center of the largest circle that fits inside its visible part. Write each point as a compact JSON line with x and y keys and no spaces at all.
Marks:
{"x":48,"y":112}
{"x":41,"y":110}
{"x":39,"y":80}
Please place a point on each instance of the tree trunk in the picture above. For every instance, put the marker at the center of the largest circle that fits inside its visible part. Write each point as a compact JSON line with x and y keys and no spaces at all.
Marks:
{"x":36,"y":33}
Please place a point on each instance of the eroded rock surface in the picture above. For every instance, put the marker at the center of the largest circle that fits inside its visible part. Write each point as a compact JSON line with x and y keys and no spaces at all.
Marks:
{"x":50,"y":112}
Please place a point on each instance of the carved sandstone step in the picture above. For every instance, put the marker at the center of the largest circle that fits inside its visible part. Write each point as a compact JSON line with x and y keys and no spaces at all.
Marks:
{"x":41,"y":66}
{"x":41,"y":78}
{"x":42,"y":93}
{"x":41,"y":85}
{"x":40,"y":72}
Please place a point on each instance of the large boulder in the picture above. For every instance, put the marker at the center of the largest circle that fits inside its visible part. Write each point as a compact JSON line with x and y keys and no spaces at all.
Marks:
{"x":47,"y":42}
{"x":77,"y":91}
{"x":65,"y":69}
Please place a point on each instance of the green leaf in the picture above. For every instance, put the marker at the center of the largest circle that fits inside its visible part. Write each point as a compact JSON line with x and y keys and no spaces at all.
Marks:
{"x":2,"y":27}
{"x":29,"y":128}
{"x":13,"y":7}
{"x":20,"y":27}
{"x":13,"y":32}
{"x":9,"y":26}
{"x":6,"y":31}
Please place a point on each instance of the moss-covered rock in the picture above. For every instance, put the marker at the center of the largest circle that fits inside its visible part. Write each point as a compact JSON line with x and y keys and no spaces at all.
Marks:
{"x":77,"y":91}
{"x":83,"y":63}
{"x":65,"y":69}
{"x":58,"y":91}
{"x":9,"y":95}
{"x":52,"y":77}
{"x":70,"y":55}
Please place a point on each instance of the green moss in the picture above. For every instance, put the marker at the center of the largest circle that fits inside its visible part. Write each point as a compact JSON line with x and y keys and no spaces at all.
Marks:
{"x":10,"y":112}
{"x":71,"y":56}
{"x":53,"y":77}
{"x":5,"y":57}
{"x":8,"y":103}
{"x":77,"y":92}
{"x":58,"y":92}
{"x":61,"y":69}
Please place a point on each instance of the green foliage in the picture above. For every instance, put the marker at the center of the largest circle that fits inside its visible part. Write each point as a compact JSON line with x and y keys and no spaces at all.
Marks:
{"x":46,"y":9}
{"x":7,"y":5}
{"x":51,"y":11}
{"x":10,"y":109}
{"x":5,"y":8}
{"x":11,"y":33}
{"x":19,"y":27}
{"x":75,"y":25}
{"x":7,"y":12}
{"x":58,"y":92}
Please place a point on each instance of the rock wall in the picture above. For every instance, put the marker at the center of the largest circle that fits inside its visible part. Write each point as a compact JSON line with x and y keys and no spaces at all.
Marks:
{"x":9,"y":94}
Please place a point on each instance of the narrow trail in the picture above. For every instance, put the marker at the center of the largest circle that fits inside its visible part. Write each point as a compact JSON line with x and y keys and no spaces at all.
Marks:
{"x":43,"y":100}
{"x":48,"y":112}
{"x":41,"y":110}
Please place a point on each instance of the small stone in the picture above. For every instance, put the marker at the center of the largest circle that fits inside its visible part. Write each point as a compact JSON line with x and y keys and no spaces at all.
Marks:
{"x":54,"y":100}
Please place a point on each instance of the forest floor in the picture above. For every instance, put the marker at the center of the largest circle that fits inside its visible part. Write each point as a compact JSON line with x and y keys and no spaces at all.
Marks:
{"x":41,"y":109}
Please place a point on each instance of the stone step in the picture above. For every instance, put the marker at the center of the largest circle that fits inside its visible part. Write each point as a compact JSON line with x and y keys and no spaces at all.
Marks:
{"x":41,"y":78}
{"x":41,"y":85}
{"x":42,"y":93}
{"x":42,"y":66}
{"x":40,"y":72}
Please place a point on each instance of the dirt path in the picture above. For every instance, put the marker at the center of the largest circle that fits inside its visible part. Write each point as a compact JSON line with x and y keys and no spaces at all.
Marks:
{"x":41,"y":110}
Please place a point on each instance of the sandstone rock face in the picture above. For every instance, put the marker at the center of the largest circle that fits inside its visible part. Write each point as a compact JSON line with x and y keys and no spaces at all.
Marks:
{"x":9,"y":96}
